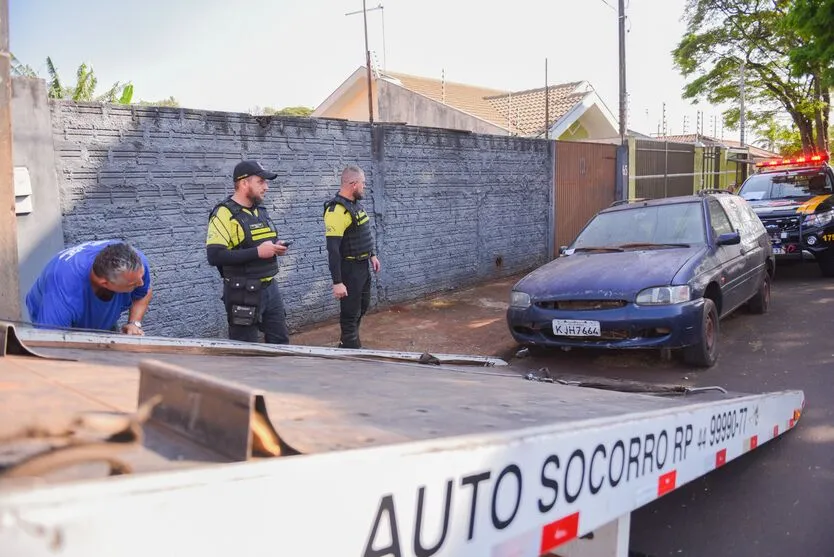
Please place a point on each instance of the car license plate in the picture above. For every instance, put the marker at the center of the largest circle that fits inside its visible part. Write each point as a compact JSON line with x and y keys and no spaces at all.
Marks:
{"x":778,"y":250}
{"x":575,"y":328}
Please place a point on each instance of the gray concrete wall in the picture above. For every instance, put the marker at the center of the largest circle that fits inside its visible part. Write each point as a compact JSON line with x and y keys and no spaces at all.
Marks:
{"x":459,"y":208}
{"x":448,"y":209}
{"x":399,"y":105}
{"x":39,"y":233}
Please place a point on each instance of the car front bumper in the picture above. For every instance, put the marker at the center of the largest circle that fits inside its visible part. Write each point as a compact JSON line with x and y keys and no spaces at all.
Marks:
{"x":631,"y":326}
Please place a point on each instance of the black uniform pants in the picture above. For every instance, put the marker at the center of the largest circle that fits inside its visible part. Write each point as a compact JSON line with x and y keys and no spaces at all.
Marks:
{"x":272,"y":319}
{"x":356,"y":276}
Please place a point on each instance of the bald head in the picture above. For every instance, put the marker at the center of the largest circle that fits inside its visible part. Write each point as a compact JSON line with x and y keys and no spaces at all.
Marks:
{"x":353,"y":182}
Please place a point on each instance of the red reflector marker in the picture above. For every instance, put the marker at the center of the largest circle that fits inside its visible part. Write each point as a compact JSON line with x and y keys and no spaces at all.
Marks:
{"x":666,"y":483}
{"x":754,"y":442}
{"x":559,"y":532}
{"x":720,"y":458}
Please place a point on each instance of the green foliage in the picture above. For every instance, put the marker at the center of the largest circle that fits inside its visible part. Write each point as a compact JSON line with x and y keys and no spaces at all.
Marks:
{"x":295,"y":111}
{"x":21,"y":70}
{"x":813,"y":22}
{"x":725,"y":37}
{"x":84,"y":89}
{"x":170,"y":101}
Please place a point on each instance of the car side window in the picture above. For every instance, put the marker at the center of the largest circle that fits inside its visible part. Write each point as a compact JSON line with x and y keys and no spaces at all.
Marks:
{"x":742,"y":217}
{"x":720,"y":222}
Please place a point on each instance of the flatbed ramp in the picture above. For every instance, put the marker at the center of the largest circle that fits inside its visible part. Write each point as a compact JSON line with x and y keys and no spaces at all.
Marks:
{"x":300,"y":454}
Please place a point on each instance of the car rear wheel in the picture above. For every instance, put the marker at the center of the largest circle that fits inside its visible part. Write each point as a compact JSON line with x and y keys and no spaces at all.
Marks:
{"x":705,"y":353}
{"x":826,"y":263}
{"x":760,"y":303}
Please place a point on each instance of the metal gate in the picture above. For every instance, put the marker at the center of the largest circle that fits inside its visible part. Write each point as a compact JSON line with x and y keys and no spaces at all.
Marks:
{"x":585,"y":184}
{"x":663,"y":169}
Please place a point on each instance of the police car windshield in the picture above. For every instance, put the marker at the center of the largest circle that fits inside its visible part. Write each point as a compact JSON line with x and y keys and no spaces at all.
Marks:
{"x":678,"y":223}
{"x":785,"y":185}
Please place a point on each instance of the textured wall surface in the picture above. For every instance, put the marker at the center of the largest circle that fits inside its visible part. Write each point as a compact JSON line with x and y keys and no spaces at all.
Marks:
{"x":39,"y":233}
{"x":449,"y":209}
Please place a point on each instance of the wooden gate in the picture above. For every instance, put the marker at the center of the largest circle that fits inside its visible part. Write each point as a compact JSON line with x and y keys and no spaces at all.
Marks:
{"x":585,"y":184}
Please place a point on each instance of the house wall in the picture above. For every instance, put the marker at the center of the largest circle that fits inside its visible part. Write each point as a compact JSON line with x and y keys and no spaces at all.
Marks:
{"x":39,"y":232}
{"x":354,"y":106}
{"x":575,"y":133}
{"x":449,"y":209}
{"x":399,"y":105}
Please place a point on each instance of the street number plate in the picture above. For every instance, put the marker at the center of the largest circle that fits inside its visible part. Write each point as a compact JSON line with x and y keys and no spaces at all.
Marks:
{"x":575,"y":328}
{"x":778,"y":250}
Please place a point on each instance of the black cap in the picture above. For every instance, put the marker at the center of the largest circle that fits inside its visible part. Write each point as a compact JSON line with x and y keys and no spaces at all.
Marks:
{"x":244,"y":169}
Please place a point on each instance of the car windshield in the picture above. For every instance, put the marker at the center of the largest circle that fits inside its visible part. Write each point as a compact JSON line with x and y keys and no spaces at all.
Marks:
{"x":658,"y":225}
{"x":785,"y":185}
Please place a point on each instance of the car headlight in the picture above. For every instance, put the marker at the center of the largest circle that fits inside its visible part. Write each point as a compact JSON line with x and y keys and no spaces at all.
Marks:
{"x":520,"y":300}
{"x":664,"y":295}
{"x":820,"y":220}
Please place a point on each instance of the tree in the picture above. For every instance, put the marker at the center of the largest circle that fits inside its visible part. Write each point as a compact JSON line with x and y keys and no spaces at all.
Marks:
{"x":724,"y":36}
{"x":84,"y":89}
{"x":813,"y":22}
{"x":21,"y":70}
{"x":294,"y":111}
{"x":170,"y":101}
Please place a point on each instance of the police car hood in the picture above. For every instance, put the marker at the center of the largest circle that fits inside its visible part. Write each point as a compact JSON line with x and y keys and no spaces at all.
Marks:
{"x":794,"y":205}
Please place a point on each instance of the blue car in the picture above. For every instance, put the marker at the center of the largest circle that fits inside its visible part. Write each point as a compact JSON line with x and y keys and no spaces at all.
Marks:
{"x":649,"y":274}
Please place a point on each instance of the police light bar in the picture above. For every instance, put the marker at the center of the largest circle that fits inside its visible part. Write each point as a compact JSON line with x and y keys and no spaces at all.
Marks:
{"x":802,"y":159}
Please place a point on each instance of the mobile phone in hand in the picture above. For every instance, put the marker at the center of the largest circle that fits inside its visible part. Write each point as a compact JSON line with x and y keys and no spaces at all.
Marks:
{"x":287,"y":243}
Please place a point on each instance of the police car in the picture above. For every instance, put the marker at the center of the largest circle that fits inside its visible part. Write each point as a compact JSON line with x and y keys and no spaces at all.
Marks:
{"x":794,"y":198}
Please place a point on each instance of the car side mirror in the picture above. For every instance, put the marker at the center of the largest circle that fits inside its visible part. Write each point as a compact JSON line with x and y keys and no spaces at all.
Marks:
{"x":562,"y":250}
{"x":729,"y":239}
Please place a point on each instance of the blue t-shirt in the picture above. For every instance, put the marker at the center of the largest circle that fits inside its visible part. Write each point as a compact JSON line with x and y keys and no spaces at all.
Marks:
{"x":63,"y":295}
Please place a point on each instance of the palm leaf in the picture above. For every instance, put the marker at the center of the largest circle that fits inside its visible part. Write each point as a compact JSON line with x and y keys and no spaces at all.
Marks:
{"x":56,"y":90}
{"x":127,"y":94}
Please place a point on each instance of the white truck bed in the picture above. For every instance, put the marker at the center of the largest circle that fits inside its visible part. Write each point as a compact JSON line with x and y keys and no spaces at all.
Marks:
{"x":369,"y":456}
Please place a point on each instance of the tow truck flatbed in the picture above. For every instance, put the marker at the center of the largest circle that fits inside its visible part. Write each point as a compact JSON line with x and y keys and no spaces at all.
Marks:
{"x":343,"y":454}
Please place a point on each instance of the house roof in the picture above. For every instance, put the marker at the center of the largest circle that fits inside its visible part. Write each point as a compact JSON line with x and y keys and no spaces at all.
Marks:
{"x":468,"y":98}
{"x":522,"y":112}
{"x":707,"y":140}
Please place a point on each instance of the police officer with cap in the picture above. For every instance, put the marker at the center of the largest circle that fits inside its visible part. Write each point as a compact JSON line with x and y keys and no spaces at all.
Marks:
{"x":242,"y":244}
{"x":351,"y":253}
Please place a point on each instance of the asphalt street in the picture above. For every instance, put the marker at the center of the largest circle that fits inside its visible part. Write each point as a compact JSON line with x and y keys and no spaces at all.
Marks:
{"x":777,"y":500}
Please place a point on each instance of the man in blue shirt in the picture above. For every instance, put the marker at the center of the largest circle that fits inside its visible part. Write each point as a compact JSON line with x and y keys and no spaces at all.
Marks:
{"x":88,"y":286}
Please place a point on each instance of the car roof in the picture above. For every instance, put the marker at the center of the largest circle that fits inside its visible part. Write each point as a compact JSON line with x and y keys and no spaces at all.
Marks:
{"x":636,"y":203}
{"x":793,"y":169}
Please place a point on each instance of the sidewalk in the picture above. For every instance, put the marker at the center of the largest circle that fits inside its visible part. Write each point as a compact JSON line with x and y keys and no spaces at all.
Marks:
{"x":470,"y":321}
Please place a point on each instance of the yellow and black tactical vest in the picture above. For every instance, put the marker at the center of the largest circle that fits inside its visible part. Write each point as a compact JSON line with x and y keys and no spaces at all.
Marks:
{"x":357,"y":241}
{"x":256,"y":230}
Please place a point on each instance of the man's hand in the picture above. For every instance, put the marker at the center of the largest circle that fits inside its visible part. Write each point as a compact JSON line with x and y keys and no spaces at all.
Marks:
{"x":268,"y":250}
{"x":131,"y":329}
{"x":375,"y":263}
{"x":339,"y":291}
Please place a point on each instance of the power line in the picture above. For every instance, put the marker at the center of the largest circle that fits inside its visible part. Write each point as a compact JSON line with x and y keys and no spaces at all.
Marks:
{"x":609,"y":5}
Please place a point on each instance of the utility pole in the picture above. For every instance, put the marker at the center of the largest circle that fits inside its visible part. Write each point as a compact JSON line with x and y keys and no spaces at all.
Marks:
{"x":623,"y":94}
{"x":9,"y":274}
{"x":546,"y":104}
{"x":368,"y":61}
{"x":742,"y":120}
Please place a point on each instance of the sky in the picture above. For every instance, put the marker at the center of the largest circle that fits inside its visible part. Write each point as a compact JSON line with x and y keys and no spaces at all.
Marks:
{"x":235,"y":56}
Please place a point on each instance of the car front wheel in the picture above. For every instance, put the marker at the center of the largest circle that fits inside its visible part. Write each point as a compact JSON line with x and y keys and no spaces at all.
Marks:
{"x":705,"y":353}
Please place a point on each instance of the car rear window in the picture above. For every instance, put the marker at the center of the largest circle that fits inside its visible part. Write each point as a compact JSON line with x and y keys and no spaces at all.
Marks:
{"x":678,"y":223}
{"x":785,"y":185}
